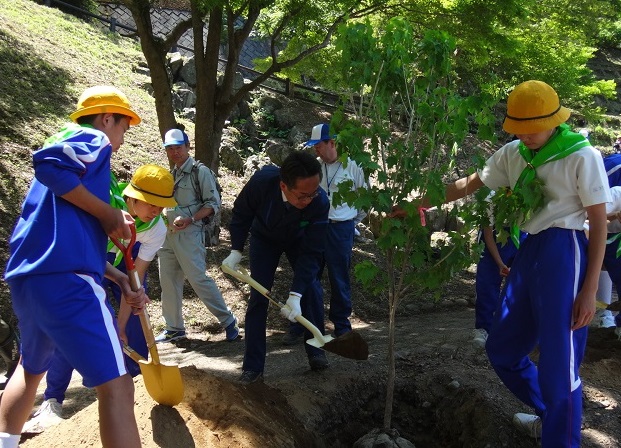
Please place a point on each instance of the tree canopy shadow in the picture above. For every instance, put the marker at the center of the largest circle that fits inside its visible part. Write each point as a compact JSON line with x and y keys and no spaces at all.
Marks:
{"x":35,"y":89}
{"x":32,"y":88}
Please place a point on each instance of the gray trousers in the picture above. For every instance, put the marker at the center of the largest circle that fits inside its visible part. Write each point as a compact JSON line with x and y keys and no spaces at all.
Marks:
{"x":183,"y":256}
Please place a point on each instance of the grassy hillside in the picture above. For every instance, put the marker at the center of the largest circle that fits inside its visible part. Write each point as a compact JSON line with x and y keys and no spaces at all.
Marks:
{"x":47,"y":59}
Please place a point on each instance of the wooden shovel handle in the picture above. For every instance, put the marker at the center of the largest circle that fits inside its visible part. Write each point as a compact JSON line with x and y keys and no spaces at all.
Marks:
{"x":134,"y":281}
{"x":135,"y":284}
{"x":133,"y":354}
{"x":144,"y":321}
{"x":149,"y":337}
{"x":242,"y":275}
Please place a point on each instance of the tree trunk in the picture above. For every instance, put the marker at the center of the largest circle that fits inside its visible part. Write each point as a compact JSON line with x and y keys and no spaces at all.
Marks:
{"x":155,"y":54}
{"x":390,"y":380}
{"x":214,"y":102}
{"x":206,"y":59}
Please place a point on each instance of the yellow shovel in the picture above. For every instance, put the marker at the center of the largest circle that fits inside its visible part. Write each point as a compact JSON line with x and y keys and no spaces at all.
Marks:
{"x":350,"y":345}
{"x":163,"y":382}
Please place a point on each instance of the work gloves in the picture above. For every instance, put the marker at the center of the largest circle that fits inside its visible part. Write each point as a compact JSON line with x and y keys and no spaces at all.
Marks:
{"x":292,"y":308}
{"x":232,"y":261}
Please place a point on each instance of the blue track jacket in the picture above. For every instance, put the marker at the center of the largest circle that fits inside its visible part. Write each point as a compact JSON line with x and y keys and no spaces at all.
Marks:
{"x":52,"y":235}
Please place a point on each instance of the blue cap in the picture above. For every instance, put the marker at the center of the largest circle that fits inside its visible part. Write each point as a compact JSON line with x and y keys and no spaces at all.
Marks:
{"x":320,"y":133}
{"x":176,"y":137}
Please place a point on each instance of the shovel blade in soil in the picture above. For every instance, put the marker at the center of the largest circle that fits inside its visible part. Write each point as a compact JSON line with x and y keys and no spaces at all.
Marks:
{"x":162,"y":382}
{"x":349,"y":345}
{"x":614,"y":306}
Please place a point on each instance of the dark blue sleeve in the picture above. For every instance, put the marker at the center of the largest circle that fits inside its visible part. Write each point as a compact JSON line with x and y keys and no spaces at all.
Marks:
{"x":245,"y":209}
{"x":312,"y":244}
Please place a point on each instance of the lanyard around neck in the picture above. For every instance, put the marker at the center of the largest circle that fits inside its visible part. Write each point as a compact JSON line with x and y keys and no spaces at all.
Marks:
{"x":329,"y":180}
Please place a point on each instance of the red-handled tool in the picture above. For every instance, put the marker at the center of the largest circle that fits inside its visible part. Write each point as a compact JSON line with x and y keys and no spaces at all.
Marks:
{"x":163,"y":382}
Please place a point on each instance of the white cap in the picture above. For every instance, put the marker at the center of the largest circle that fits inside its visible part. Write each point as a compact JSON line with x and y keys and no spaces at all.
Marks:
{"x":320,"y":133}
{"x":175,"y":137}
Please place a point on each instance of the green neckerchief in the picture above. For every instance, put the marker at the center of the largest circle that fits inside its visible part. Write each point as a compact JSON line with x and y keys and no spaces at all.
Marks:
{"x":612,"y":239}
{"x":117,"y":201}
{"x":563,"y":143}
{"x":116,"y":193}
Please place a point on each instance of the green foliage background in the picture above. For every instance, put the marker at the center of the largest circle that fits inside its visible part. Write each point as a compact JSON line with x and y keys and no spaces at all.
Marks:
{"x":395,"y":71}
{"x":500,"y":43}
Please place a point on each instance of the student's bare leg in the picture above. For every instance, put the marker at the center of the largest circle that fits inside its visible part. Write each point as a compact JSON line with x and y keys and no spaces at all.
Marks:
{"x":18,"y":399}
{"x":117,"y":422}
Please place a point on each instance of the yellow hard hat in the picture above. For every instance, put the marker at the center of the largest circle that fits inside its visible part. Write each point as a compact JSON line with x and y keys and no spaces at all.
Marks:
{"x":532,"y":107}
{"x":104,"y":100}
{"x":152,"y":184}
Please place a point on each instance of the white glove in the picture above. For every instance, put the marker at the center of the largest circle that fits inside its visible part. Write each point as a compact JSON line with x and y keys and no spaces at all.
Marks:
{"x":232,"y":261}
{"x":292,"y":308}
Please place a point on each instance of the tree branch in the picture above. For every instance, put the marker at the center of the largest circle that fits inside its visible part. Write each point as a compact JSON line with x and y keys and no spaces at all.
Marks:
{"x":176,"y":33}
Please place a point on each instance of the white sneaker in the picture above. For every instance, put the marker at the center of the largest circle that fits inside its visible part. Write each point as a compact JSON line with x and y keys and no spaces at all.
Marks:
{"x":604,"y":319}
{"x":607,"y":322}
{"x":479,"y":337}
{"x":528,"y":423}
{"x":48,"y":415}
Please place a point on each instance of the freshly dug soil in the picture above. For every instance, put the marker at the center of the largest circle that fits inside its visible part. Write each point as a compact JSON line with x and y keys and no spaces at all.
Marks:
{"x":447,"y":395}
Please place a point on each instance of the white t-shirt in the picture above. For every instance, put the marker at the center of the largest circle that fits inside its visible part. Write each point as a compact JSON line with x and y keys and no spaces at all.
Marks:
{"x":614,"y":226}
{"x":151,"y":240}
{"x":332,"y":175}
{"x":571,"y":184}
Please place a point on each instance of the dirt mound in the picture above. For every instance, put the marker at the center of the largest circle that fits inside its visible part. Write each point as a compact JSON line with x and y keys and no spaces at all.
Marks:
{"x":446,"y":394}
{"x":214,"y":412}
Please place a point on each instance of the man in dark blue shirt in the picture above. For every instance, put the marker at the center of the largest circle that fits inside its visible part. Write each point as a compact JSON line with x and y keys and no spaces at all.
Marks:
{"x":285,"y":211}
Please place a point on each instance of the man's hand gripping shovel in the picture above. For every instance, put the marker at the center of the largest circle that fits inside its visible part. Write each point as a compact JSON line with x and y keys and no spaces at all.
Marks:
{"x":350,"y":345}
{"x":163,"y":382}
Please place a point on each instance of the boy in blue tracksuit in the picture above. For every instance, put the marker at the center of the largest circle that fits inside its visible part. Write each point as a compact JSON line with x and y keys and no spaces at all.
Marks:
{"x":493,"y":266}
{"x":612,"y":262}
{"x":285,"y":211}
{"x":144,"y":198}
{"x":549,"y":296}
{"x":58,"y":263}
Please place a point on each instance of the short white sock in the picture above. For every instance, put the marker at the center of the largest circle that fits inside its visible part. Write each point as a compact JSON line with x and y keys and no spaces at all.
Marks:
{"x":604,"y":288}
{"x":9,"y":440}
